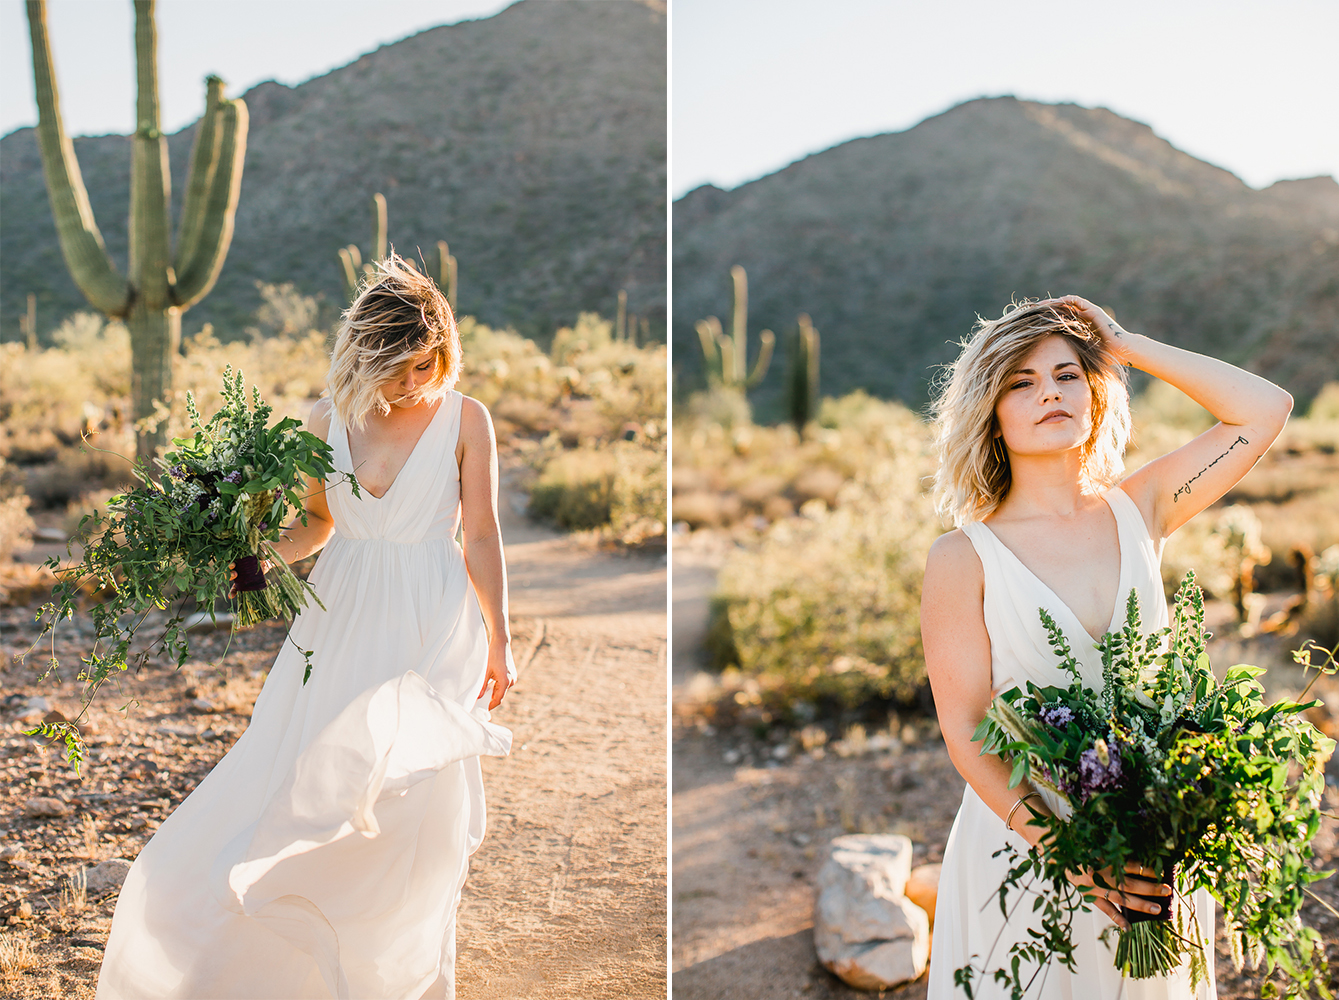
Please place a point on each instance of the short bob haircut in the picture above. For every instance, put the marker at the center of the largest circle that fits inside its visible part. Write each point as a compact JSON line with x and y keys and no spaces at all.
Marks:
{"x":973,"y":477}
{"x":399,"y":314}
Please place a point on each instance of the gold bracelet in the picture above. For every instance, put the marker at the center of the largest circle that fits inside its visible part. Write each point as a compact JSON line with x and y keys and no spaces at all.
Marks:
{"x":1008,"y":820}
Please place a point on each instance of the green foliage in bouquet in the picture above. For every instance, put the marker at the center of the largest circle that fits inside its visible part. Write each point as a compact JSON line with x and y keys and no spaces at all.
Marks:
{"x":1169,"y":768}
{"x":221,"y":497}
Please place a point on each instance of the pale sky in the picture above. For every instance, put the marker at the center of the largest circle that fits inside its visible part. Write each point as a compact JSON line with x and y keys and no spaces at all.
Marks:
{"x":243,"y":41}
{"x":1248,"y":85}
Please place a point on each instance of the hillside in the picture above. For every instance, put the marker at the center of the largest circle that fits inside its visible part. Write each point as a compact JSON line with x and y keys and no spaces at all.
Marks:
{"x":532,"y":141}
{"x":893,"y":244}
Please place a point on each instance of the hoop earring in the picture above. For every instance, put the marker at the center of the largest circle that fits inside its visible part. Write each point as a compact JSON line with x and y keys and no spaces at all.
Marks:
{"x":997,"y":449}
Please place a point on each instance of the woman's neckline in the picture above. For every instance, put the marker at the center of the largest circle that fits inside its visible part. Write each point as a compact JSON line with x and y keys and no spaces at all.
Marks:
{"x":348,"y":444}
{"x":1116,"y":610}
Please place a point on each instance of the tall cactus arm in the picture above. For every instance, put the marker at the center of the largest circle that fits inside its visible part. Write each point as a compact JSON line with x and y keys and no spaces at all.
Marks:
{"x":709,"y":334}
{"x":348,"y":271}
{"x":80,"y":242}
{"x":199,"y":272}
{"x":379,"y":226}
{"x":739,"y":323}
{"x":766,"y":342}
{"x":150,"y":178}
{"x":200,"y":175}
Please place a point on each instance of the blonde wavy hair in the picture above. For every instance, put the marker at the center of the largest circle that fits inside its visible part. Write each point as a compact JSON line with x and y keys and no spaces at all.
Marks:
{"x":399,"y":313}
{"x":974,"y":476}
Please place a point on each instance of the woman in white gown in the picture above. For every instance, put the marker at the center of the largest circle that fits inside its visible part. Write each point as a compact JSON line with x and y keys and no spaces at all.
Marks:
{"x":1033,"y":421}
{"x":325,"y":854}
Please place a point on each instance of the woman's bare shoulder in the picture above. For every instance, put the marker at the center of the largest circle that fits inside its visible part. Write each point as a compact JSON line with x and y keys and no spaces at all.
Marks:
{"x":953,"y":550}
{"x":319,"y":420}
{"x":475,"y":419}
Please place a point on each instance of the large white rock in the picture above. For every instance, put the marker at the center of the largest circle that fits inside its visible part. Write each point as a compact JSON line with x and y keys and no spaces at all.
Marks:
{"x":865,"y":929}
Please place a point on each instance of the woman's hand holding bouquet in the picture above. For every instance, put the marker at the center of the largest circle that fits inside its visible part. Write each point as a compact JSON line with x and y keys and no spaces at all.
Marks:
{"x":1164,"y":773}
{"x":221,"y":498}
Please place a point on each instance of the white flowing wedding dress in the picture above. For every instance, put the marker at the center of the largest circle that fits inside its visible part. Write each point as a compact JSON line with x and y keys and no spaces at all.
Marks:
{"x":969,"y":927}
{"x":325,"y":854}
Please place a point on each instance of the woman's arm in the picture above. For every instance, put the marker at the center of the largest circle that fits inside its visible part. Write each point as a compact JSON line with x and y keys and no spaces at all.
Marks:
{"x":298,"y":540}
{"x":957,"y":659}
{"x":1251,"y":412}
{"x":482,"y":536}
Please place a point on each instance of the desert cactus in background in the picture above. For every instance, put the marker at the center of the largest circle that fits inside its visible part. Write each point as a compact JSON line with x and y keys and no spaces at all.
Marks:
{"x":351,"y":266}
{"x":802,"y":376}
{"x":28,"y":323}
{"x":443,"y":269}
{"x":445,"y":273}
{"x":726,"y":358}
{"x":159,"y":285}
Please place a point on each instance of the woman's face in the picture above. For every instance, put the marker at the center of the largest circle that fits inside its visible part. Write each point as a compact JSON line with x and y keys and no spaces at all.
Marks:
{"x":405,"y":391}
{"x":1047,"y":406}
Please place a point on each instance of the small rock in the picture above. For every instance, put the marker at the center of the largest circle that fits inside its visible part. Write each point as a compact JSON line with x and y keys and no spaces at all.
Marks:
{"x":923,"y":888}
{"x":41,"y":808}
{"x":203,"y":706}
{"x":781,"y":751}
{"x":732,"y":757}
{"x":106,"y":876}
{"x":21,"y":865}
{"x":48,"y":535}
{"x":13,"y":852}
{"x":34,"y":708}
{"x":181,"y":732}
{"x":866,"y":930}
{"x":137,"y":821}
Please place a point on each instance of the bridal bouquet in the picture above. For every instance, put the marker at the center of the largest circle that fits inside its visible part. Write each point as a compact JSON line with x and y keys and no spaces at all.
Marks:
{"x":1167,"y":767}
{"x":219,"y":499}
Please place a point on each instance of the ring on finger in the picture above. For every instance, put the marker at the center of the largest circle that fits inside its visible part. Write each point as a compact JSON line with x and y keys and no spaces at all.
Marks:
{"x":1107,"y":895}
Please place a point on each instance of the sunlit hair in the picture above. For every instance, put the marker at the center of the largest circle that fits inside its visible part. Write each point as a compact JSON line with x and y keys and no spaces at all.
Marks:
{"x":398,"y":315}
{"x":974,"y":476}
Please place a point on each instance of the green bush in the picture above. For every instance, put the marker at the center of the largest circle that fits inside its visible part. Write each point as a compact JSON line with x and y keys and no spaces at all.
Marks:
{"x":826,"y":609}
{"x":622,"y":486}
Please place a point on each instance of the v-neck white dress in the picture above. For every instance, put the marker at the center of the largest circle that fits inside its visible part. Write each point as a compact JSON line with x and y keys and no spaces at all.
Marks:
{"x":968,"y":924}
{"x":325,"y":854}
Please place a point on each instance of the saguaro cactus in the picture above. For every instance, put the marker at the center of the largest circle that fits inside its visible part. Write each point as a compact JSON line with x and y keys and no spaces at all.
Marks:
{"x":726,"y":358}
{"x":160,"y":285}
{"x":446,"y":273}
{"x":351,"y":266}
{"x":441,"y":269}
{"x":802,"y":378}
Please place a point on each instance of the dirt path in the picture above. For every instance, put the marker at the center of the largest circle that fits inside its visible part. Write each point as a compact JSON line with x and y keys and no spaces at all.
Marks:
{"x":752,"y":815}
{"x":566,"y":897}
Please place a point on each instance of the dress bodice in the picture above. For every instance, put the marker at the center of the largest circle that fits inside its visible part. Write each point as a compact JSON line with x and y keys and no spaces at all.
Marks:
{"x":422,"y":504}
{"x":1019,"y":647}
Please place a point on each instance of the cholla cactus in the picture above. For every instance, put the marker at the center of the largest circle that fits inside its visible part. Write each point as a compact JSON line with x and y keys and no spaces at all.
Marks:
{"x":160,"y":285}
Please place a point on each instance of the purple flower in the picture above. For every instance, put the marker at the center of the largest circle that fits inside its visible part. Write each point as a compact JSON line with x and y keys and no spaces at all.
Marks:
{"x":178,"y":471}
{"x":1099,"y":769}
{"x":1058,"y":716}
{"x":264,"y":525}
{"x":233,"y":477}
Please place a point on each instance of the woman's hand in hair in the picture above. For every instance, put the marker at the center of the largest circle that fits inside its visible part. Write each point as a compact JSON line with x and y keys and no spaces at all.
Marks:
{"x":1112,"y":333}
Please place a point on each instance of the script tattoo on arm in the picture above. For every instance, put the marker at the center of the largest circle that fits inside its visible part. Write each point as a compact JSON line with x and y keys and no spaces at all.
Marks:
{"x":1186,"y":488}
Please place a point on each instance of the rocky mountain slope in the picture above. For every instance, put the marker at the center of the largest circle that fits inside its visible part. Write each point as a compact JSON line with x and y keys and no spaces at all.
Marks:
{"x":895,"y":243}
{"x":532,"y":141}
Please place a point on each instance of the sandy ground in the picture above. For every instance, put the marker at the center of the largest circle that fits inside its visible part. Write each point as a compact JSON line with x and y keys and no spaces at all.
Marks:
{"x":752,"y":816}
{"x":566,"y":897}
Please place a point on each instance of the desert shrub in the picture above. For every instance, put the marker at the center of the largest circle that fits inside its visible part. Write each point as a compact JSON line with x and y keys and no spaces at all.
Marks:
{"x":1222,"y":546}
{"x":622,"y":486}
{"x":825,"y":610}
{"x":727,"y":473}
{"x":594,"y":394}
{"x":16,"y":527}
